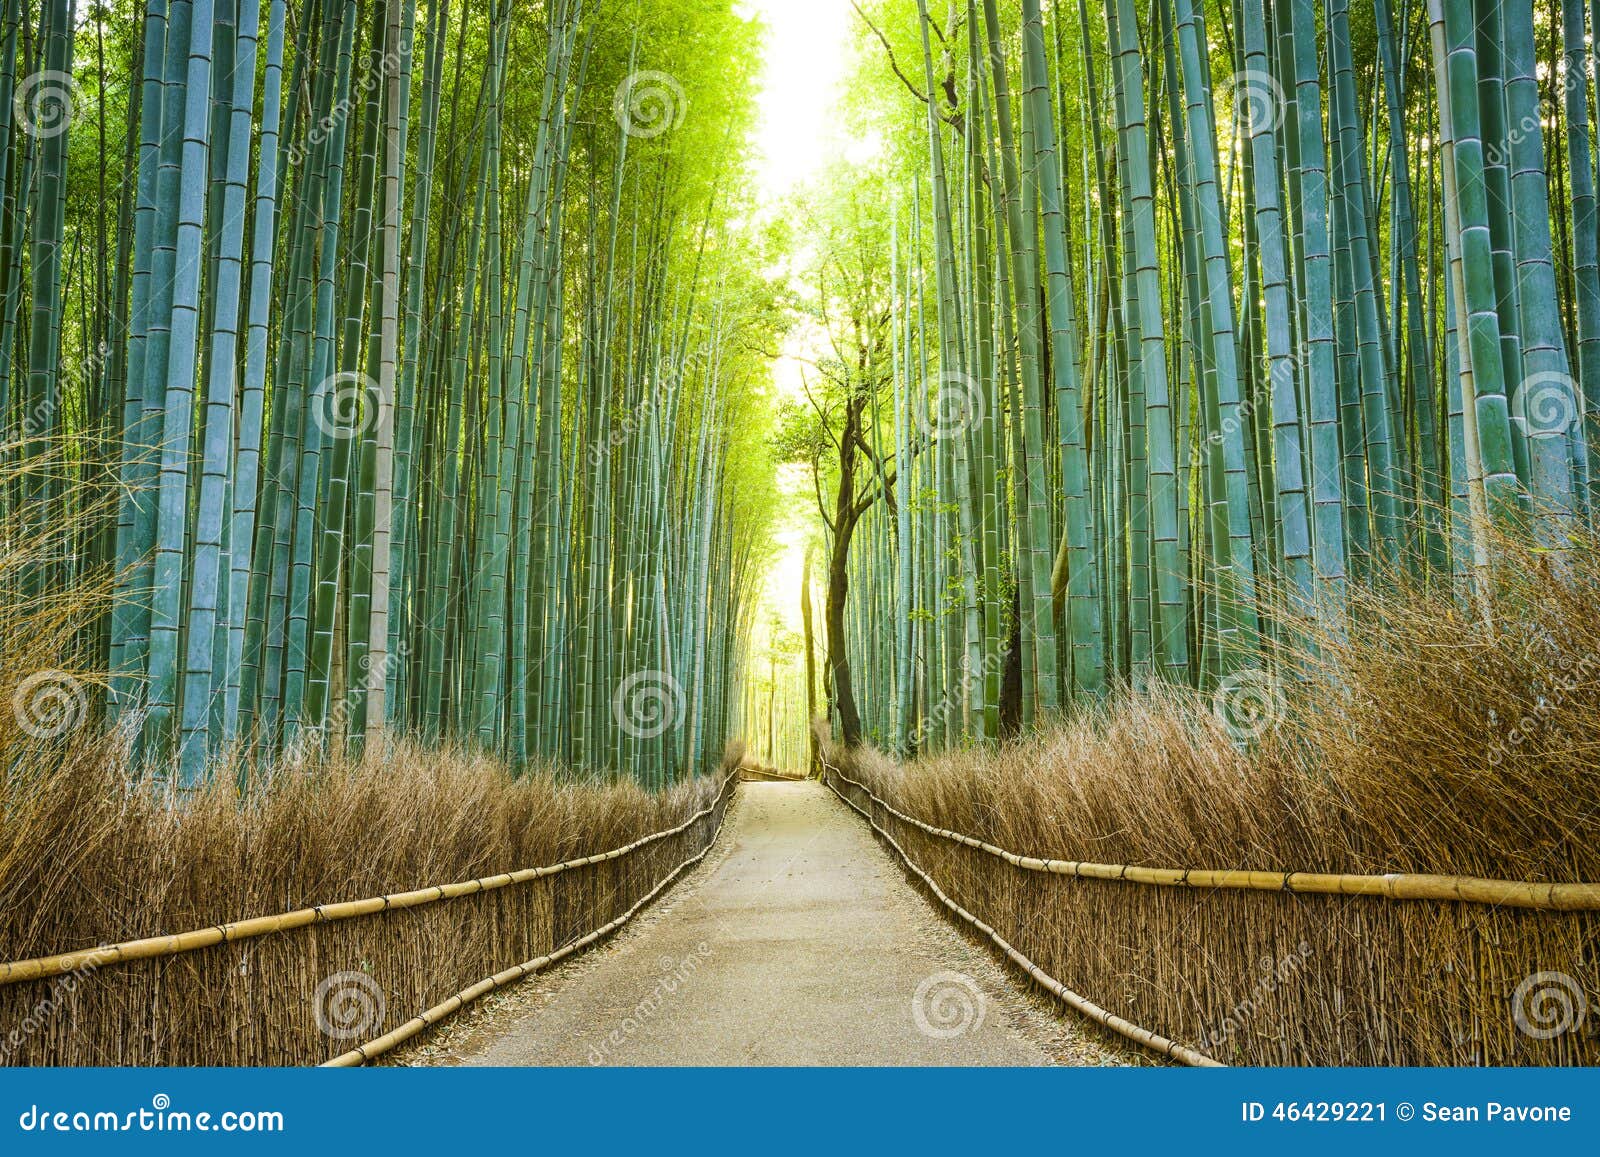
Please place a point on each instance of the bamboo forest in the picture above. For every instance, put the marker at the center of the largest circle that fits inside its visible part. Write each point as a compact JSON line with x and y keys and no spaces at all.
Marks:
{"x":1158,"y":440}
{"x":402,"y":368}
{"x":407,"y":368}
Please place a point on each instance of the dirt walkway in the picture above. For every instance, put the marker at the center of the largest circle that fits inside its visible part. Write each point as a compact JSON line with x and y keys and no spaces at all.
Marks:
{"x":798,"y":942}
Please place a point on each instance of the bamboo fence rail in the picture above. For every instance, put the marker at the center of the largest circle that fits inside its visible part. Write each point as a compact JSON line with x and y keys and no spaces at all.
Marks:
{"x":1117,"y":1024}
{"x":362,"y":1054}
{"x":152,"y":947}
{"x":1279,"y":968}
{"x":256,"y":998}
{"x":1391,"y":886}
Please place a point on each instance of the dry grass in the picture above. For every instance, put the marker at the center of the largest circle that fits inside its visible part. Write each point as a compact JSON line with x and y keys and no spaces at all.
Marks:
{"x":87,"y":859}
{"x":1425,"y":741}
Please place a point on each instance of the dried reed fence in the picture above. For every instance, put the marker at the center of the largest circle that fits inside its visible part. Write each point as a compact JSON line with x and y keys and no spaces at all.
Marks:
{"x":87,"y":862}
{"x":860,"y":798}
{"x":1280,"y":968}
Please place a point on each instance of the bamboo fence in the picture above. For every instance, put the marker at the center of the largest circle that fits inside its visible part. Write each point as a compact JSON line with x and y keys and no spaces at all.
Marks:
{"x":241,"y":994}
{"x":1296,"y":968}
{"x":1127,"y":1028}
{"x":375,"y":1048}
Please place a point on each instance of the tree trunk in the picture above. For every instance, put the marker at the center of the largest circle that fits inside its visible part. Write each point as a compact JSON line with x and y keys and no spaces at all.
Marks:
{"x":844,"y":698}
{"x":846,"y":512}
{"x":813,"y":766}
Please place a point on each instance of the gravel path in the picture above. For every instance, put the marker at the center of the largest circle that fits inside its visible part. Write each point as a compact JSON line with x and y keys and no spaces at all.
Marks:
{"x":797,"y":942}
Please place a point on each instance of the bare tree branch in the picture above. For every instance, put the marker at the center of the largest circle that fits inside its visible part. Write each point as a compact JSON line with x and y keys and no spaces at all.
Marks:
{"x":889,"y":48}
